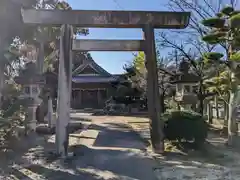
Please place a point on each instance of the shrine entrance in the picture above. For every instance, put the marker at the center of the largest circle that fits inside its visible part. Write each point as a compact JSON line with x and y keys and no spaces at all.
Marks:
{"x":145,"y":20}
{"x":90,"y":98}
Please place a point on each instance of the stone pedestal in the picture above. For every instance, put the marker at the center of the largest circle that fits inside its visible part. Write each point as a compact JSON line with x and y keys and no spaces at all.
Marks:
{"x":31,"y":121}
{"x":35,"y":91}
{"x":31,"y":93}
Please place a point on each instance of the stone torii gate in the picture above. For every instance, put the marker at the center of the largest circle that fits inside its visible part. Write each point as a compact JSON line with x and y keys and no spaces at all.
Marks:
{"x":106,"y":19}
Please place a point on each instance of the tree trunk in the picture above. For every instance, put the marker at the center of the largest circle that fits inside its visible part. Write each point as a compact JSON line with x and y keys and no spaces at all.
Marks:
{"x":226,"y":117}
{"x":163,"y":108}
{"x":201,"y":106}
{"x":210,"y":114}
{"x":201,"y":99}
{"x":234,"y":100}
{"x":232,"y":123}
{"x":205,"y":107}
{"x":1,"y":83}
{"x":216,"y":106}
{"x":231,"y":133}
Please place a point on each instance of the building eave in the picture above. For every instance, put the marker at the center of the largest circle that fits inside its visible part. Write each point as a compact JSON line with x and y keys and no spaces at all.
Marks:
{"x":93,"y":79}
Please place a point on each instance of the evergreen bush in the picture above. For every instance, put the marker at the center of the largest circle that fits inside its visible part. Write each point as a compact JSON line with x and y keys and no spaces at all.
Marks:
{"x":185,"y":126}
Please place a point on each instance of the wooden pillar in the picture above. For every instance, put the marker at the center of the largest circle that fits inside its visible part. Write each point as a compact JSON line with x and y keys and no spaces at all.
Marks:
{"x":98,"y":97}
{"x":79,"y":98}
{"x":64,"y":90}
{"x":154,"y":108}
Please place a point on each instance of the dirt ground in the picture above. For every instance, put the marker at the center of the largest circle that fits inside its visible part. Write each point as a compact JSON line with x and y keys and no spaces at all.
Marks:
{"x":217,"y":162}
{"x":107,"y":149}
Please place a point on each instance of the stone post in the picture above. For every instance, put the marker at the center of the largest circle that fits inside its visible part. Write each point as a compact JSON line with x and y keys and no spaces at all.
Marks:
{"x":31,"y":118}
{"x":50,"y":112}
{"x":64,"y":90}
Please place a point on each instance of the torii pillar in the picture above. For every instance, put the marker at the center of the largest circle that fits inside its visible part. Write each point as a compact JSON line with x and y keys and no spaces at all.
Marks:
{"x":64,"y":90}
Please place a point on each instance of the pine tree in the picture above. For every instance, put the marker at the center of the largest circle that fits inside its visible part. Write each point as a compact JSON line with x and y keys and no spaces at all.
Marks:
{"x":225,"y":31}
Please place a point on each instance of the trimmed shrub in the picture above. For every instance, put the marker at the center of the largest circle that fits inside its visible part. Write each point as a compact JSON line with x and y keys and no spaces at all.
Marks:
{"x":185,"y":126}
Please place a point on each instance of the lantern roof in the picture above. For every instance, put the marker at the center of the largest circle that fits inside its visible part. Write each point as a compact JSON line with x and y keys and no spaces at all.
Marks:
{"x":187,"y":98}
{"x":30,"y":75}
{"x":30,"y":69}
{"x":184,"y":75}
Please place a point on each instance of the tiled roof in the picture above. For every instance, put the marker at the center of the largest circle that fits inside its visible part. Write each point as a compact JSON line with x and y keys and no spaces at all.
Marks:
{"x":93,"y":79}
{"x":93,"y":65}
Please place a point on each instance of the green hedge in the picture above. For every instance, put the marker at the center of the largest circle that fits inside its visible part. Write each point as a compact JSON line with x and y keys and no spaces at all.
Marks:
{"x":185,"y":126}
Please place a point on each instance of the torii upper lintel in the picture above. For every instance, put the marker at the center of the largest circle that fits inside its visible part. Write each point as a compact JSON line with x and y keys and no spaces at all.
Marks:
{"x":107,"y":19}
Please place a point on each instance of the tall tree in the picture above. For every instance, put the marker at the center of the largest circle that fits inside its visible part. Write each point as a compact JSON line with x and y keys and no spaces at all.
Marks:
{"x":224,"y":32}
{"x":188,"y":42}
{"x":137,"y":72}
{"x":220,"y":85}
{"x":138,"y":75}
{"x":14,"y":34}
{"x":190,"y":37}
{"x":11,"y":27}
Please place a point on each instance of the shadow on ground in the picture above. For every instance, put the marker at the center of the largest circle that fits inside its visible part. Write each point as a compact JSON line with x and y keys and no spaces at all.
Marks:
{"x":80,"y":119}
{"x":115,"y":154}
{"x":95,"y":164}
{"x":125,"y":114}
{"x":117,"y":135}
{"x":214,"y":161}
{"x":52,"y":174}
{"x":30,"y":149}
{"x":100,"y":112}
{"x":24,"y":150}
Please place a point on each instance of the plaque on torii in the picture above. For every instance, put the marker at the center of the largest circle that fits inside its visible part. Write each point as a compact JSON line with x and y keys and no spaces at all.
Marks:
{"x":147,"y":20}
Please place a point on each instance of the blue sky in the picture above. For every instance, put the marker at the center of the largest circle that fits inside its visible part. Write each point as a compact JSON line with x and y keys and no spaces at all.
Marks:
{"x":114,"y":61}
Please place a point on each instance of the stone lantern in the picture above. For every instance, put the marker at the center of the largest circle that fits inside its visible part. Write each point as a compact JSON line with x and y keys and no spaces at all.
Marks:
{"x":30,"y":80}
{"x":187,"y":84}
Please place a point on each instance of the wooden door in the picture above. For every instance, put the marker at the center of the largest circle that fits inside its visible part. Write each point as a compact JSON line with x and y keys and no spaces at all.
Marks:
{"x":89,"y":99}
